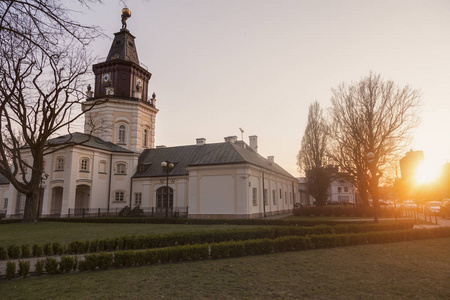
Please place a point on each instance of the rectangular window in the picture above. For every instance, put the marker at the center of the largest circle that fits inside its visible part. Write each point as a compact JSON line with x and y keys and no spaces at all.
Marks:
{"x":121,"y":169}
{"x":274,"y":197}
{"x":339,"y":189}
{"x":5,"y":203}
{"x":346,"y":189}
{"x":285,"y":197}
{"x":138,"y":199}
{"x":290,"y":197}
{"x":281,"y":196}
{"x":255,"y":201}
{"x":120,"y":196}
{"x":266,"y":202}
{"x":84,"y":166}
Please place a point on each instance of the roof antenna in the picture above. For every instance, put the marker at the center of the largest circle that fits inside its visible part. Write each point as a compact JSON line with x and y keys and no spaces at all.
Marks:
{"x":242,"y":133}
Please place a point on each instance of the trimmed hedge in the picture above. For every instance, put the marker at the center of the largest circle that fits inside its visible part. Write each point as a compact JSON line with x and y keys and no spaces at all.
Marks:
{"x":347,"y":211}
{"x":200,"y":237}
{"x":128,"y":258}
{"x":259,"y":221}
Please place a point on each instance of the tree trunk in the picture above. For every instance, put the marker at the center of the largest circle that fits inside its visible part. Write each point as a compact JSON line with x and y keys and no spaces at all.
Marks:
{"x":31,"y":204}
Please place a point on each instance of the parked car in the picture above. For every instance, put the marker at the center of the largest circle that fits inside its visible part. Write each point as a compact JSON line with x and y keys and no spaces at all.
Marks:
{"x":432,"y":208}
{"x":445,"y":208}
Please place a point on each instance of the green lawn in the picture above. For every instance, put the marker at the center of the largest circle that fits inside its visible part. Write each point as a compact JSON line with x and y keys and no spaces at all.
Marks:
{"x":63,"y":232}
{"x":409,"y":270}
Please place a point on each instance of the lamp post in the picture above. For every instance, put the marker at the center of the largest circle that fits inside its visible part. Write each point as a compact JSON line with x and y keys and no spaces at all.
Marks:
{"x":167,"y":167}
{"x":374,"y":176}
{"x":42,"y":185}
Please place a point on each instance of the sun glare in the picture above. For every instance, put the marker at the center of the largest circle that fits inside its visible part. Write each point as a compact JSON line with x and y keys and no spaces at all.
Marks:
{"x":427,"y":172}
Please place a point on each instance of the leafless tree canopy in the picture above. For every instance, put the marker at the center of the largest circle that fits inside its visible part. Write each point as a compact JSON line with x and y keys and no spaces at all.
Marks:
{"x":42,"y":63}
{"x":371,"y":116}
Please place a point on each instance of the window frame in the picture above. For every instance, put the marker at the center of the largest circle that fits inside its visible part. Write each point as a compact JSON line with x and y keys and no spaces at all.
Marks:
{"x":137,"y":196}
{"x":85,"y":164}
{"x":121,"y":194}
{"x":120,"y":168}
{"x":122,"y":134}
{"x":255,"y":196}
{"x":60,"y":166}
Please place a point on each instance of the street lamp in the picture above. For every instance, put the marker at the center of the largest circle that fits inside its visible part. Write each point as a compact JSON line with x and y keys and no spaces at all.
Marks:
{"x":374,"y":176}
{"x":167,"y":167}
{"x":42,"y":186}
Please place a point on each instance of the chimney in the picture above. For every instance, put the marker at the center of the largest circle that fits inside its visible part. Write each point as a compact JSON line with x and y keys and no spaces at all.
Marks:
{"x":271,"y":158}
{"x":254,"y":143}
{"x":201,"y":141}
{"x":231,"y":139}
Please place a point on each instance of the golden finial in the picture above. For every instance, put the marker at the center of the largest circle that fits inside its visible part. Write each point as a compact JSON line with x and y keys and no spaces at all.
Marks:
{"x":126,"y":13}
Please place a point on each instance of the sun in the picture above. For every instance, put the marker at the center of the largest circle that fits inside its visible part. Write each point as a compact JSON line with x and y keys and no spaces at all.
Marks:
{"x":427,"y":172}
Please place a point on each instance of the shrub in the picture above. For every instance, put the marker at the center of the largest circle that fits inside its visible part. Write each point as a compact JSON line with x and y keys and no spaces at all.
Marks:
{"x":39,"y":266}
{"x":124,"y":258}
{"x":77,"y":247}
{"x":93,"y":246}
{"x":66,"y":264}
{"x":82,"y":266}
{"x":37,"y":250}
{"x":105,"y":260}
{"x":236,"y":248}
{"x":10,"y":270}
{"x":3,"y":253}
{"x":48,"y":249}
{"x":26,"y":250}
{"x":57,"y":248}
{"x":51,"y":265}
{"x":151,"y":257}
{"x":24,"y":268}
{"x":141,"y":258}
{"x":13,"y":251}
{"x":91,"y":261}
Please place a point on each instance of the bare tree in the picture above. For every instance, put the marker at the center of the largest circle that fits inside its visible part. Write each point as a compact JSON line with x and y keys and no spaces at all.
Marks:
{"x":42,"y":63}
{"x":371,"y":122}
{"x":311,"y":158}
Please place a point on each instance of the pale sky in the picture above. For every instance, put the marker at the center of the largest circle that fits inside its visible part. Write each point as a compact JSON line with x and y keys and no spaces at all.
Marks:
{"x":220,"y":65}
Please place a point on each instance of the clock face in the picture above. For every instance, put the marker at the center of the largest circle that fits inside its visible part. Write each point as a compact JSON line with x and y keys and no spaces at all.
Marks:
{"x":106,"y":77}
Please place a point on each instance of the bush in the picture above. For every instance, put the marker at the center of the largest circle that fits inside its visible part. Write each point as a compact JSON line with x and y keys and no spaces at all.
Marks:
{"x":93,"y":246}
{"x":105,"y":260}
{"x":124,"y":258}
{"x":39,"y":267}
{"x":51,"y":265}
{"x":82,"y":266}
{"x":57,"y":248}
{"x":13,"y":251}
{"x":66,"y":264}
{"x":37,"y":250}
{"x":48,"y":249}
{"x":91,"y":261}
{"x":10,"y":270}
{"x":3,"y":253}
{"x":24,"y":268}
{"x":26,"y":250}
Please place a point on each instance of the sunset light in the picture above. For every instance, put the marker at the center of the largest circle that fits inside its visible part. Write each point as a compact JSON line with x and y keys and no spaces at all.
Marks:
{"x":427,"y":172}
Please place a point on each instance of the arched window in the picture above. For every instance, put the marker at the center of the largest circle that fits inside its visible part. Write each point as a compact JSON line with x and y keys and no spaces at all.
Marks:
{"x":84,"y":164}
{"x":60,"y":164}
{"x":161,"y":197}
{"x":145,"y":138}
{"x":122,"y":134}
{"x":121,"y":168}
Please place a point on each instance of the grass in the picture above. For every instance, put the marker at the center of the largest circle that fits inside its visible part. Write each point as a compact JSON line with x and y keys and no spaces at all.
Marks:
{"x":416,"y":269}
{"x":45,"y":232}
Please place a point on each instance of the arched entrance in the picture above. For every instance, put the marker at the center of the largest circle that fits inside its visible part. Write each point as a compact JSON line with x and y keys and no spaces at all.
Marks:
{"x":162,"y":194}
{"x":82,"y":195}
{"x":57,"y":195}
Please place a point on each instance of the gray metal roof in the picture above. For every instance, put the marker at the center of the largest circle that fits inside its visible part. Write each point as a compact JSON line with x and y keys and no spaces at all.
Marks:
{"x":208,"y":154}
{"x":78,"y":138}
{"x":3,"y":180}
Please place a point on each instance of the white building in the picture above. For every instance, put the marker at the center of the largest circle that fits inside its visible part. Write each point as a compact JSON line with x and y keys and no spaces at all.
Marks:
{"x":119,"y":166}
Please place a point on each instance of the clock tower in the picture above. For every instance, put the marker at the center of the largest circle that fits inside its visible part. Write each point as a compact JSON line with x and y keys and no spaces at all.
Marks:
{"x":120,"y":109}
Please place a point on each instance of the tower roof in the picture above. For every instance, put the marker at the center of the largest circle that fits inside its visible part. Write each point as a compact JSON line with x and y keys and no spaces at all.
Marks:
{"x":123,"y":47}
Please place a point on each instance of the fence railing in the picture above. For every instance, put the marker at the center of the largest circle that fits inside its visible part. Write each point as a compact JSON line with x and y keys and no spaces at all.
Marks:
{"x":172,"y":212}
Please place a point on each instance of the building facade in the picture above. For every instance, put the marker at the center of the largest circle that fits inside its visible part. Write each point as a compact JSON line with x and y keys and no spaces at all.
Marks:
{"x":114,"y":163}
